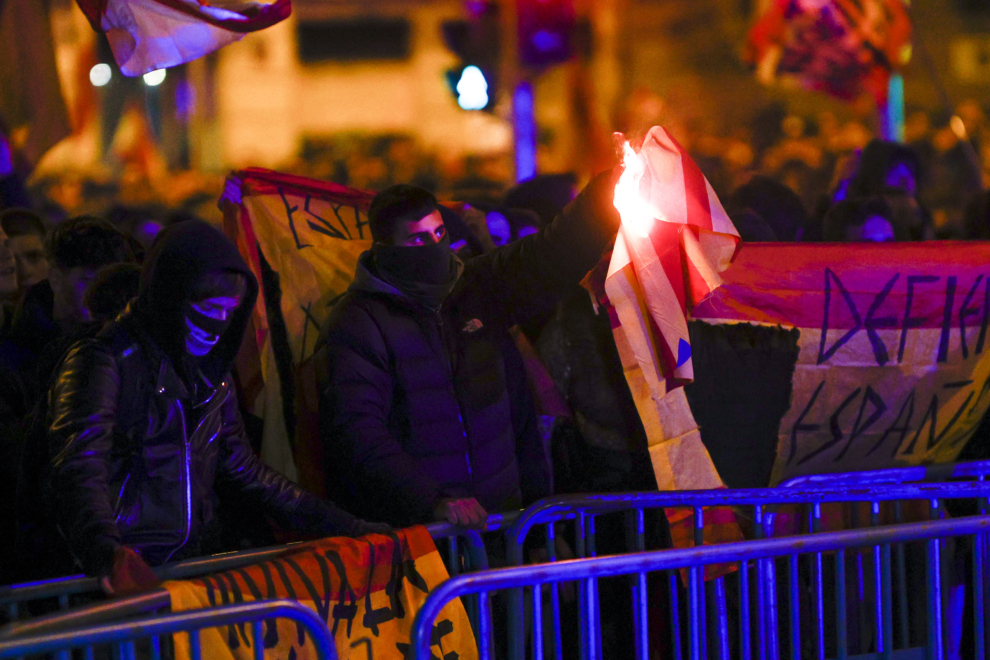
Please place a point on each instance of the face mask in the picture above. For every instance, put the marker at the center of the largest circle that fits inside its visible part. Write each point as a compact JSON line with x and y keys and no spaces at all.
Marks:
{"x":203,"y":332}
{"x":427,"y":264}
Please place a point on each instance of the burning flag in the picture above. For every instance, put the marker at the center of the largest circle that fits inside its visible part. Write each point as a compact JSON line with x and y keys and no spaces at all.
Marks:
{"x":674,"y":241}
{"x":147,"y":35}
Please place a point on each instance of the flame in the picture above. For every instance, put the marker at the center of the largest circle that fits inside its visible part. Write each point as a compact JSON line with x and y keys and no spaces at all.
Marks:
{"x":633,"y":208}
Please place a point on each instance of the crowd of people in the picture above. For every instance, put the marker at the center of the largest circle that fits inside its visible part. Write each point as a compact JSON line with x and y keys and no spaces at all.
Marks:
{"x":464,"y":372}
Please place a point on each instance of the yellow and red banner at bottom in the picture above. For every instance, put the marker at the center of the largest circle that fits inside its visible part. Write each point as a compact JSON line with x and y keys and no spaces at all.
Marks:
{"x":367,"y":590}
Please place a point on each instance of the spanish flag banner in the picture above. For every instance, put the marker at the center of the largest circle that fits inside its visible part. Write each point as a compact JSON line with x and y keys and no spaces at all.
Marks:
{"x":368,"y":591}
{"x":893,"y":364}
{"x":302,"y":239}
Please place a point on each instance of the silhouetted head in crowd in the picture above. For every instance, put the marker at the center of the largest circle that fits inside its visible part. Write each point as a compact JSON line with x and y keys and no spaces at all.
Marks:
{"x":77,"y":249}
{"x":8,"y":268}
{"x":26,"y":235}
{"x":886,"y":168}
{"x":868,"y":219}
{"x":463,"y":241}
{"x":977,"y":218}
{"x":546,"y":195}
{"x":773,"y":202}
{"x":114,"y":286}
{"x":506,"y":225}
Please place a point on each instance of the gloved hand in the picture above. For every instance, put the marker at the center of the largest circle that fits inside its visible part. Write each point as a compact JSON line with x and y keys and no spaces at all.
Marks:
{"x":129,"y":574}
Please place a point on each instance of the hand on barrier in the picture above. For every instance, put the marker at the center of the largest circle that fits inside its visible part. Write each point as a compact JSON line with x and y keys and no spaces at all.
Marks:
{"x":466,"y":512}
{"x":129,"y":575}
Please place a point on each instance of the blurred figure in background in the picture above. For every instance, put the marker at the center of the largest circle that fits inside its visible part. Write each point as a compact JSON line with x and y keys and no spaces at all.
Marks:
{"x":868,"y":219}
{"x":26,"y":232}
{"x":765,"y":210}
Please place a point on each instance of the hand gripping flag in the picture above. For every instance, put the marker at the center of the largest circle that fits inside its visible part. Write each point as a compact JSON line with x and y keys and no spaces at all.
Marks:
{"x":146,"y":35}
{"x":674,"y":241}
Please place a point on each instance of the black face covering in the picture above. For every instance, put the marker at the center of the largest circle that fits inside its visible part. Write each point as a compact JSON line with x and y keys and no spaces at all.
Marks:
{"x":207,"y":324}
{"x":424,"y":264}
{"x":425,"y":273}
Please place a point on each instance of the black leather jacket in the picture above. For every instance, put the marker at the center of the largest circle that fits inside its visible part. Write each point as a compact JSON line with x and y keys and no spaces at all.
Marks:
{"x":139,"y":459}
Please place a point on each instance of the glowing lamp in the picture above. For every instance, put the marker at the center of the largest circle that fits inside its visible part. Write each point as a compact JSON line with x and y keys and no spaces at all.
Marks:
{"x":100,"y":74}
{"x":154,"y":78}
{"x":472,"y":89}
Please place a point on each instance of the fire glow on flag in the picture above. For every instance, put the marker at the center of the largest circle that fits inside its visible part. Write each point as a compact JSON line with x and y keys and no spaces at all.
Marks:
{"x":674,"y":241}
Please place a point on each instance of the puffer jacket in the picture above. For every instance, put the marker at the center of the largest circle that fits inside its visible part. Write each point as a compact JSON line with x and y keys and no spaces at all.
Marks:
{"x":140,"y":455}
{"x":415,"y":408}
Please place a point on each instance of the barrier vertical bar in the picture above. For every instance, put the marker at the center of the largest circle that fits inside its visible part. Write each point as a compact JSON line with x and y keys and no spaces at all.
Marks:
{"x":721,"y":617}
{"x":699,"y":540}
{"x":794,"y":607}
{"x":773,"y":643}
{"x":584,"y":625}
{"x":537,"y":623}
{"x":639,"y":592}
{"x":761,"y":608}
{"x":818,"y":594}
{"x":485,"y":627}
{"x":694,"y":614}
{"x":745,"y":632}
{"x":551,"y":539}
{"x":934,"y":591}
{"x":453,"y":558}
{"x":878,"y":593}
{"x":156,"y":648}
{"x":596,"y":622}
{"x":978,"y":594}
{"x":841,"y":633}
{"x":195,"y":652}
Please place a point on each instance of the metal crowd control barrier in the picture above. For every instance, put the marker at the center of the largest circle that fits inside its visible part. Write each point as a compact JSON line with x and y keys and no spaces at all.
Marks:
{"x":759,"y":626}
{"x":978,"y":470}
{"x":710,"y":600}
{"x":124,"y":638}
{"x":465,"y":552}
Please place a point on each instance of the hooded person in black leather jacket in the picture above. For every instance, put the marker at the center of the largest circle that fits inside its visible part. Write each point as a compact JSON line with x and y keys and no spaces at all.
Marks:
{"x":144,"y":431}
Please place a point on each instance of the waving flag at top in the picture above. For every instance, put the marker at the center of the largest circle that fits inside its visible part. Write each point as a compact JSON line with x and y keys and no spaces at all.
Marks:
{"x":841,"y":47}
{"x":146,"y":35}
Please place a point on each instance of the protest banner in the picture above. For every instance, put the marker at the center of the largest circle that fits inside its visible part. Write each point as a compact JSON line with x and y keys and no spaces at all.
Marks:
{"x":302,"y":239}
{"x":367,"y":590}
{"x":893,"y":366}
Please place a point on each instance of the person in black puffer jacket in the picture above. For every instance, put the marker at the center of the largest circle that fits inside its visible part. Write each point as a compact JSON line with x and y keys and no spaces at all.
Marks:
{"x":144,"y":433}
{"x":415,"y":414}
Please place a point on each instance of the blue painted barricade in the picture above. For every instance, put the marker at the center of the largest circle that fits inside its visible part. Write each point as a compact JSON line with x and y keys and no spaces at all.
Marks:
{"x":708,"y":601}
{"x":778,"y":628}
{"x":142,"y":638}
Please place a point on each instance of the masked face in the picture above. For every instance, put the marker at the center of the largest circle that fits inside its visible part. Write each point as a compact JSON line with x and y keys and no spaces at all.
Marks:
{"x":206,"y":321}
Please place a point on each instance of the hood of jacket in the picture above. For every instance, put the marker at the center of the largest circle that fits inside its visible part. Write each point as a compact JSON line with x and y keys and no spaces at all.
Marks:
{"x":181,"y":255}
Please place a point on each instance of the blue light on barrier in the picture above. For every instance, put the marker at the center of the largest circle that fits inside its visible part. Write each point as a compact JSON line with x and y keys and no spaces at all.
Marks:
{"x":472,"y":89}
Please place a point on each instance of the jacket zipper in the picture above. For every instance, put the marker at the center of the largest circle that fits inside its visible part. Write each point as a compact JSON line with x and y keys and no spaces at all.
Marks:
{"x":119,"y":508}
{"x":188,"y":480}
{"x":460,"y":416}
{"x":187,"y":446}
